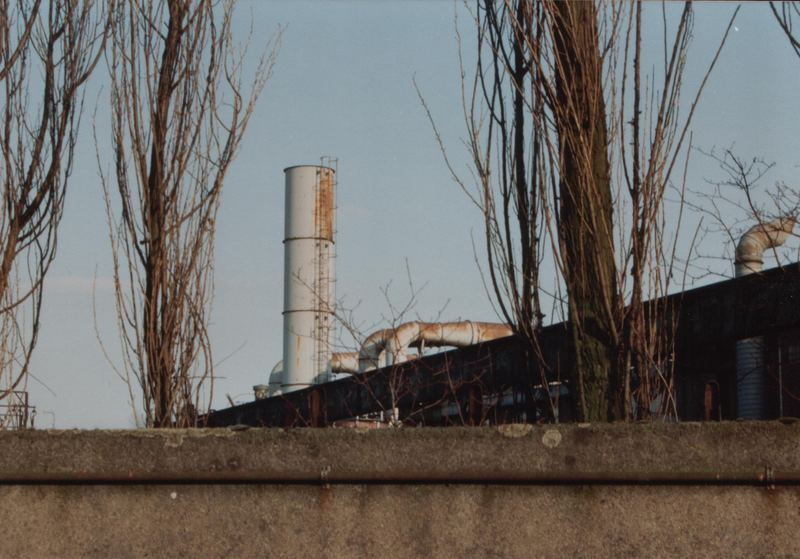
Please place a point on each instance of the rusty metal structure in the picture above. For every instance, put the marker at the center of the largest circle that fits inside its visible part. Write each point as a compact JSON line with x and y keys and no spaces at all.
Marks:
{"x":390,"y":345}
{"x":309,"y":279}
{"x":308,"y":275}
{"x":491,"y":382}
{"x":16,"y":412}
{"x":722,"y":358}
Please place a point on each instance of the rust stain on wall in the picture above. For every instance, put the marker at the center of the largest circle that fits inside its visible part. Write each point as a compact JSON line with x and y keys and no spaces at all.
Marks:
{"x":323,"y":205}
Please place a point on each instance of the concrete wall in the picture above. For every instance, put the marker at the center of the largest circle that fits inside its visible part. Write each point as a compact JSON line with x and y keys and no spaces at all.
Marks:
{"x":520,"y":491}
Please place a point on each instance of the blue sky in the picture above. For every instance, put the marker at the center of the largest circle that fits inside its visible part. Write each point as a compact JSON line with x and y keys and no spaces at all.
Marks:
{"x":343,"y":87}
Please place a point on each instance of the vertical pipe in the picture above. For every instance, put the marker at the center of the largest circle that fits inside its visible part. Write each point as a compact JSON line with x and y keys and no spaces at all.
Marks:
{"x":750,"y":381}
{"x":751,"y":378}
{"x":308,"y":246}
{"x":751,"y":352}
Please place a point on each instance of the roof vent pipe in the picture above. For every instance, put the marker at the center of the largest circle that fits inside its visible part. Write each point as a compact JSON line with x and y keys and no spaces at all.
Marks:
{"x":751,"y":352}
{"x":757,"y":240}
{"x":260,"y":391}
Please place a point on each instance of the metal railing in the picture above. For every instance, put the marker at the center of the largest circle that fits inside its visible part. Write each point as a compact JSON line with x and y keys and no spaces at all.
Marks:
{"x":16,"y":412}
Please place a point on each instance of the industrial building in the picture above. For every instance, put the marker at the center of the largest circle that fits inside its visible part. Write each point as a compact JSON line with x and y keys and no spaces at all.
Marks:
{"x":735,"y":345}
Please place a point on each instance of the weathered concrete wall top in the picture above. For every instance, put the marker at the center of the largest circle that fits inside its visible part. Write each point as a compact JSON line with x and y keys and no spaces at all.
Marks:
{"x":707,"y":490}
{"x":705,"y":452}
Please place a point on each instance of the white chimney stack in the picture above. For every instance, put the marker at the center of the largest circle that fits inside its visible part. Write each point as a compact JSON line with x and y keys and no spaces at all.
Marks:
{"x":308,"y":276}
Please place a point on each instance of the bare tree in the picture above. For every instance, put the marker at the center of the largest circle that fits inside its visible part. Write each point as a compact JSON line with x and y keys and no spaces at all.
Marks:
{"x":738,"y":201}
{"x":179,"y":110}
{"x":738,"y":198}
{"x":353,"y":333}
{"x":786,"y":18}
{"x":48,"y":49}
{"x":584,"y":208}
{"x":573,"y":149}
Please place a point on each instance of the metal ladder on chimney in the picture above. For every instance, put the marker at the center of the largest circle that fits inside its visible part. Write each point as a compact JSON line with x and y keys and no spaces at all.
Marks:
{"x":325,"y":257}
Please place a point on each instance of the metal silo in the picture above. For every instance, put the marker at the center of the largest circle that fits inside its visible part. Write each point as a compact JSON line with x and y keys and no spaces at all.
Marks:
{"x":308,"y":275}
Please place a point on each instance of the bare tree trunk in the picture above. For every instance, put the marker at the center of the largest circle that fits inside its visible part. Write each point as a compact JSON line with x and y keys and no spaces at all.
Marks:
{"x":48,"y":49}
{"x":179,"y":113}
{"x":159,"y":361}
{"x":586,"y":210}
{"x":548,"y":120}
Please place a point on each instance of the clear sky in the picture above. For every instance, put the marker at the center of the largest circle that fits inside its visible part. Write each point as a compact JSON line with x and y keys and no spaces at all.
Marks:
{"x":343,"y":87}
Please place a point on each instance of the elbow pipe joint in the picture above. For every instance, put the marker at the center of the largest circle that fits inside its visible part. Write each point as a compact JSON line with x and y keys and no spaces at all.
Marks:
{"x":757,"y":240}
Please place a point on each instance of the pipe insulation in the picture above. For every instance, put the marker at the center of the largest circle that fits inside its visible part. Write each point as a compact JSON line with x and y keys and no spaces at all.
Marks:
{"x":757,"y":240}
{"x":345,"y":362}
{"x":372,"y":354}
{"x":389,"y":346}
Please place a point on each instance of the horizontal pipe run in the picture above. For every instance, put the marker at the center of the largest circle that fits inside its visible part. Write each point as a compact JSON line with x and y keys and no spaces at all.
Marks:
{"x":345,"y":362}
{"x":389,"y":346}
{"x":439,"y":334}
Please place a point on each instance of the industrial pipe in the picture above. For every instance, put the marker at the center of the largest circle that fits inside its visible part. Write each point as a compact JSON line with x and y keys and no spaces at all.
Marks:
{"x":391,"y":344}
{"x":372,"y":354}
{"x":346,"y":362}
{"x":751,"y":352}
{"x":456,"y":334}
{"x":756,"y":241}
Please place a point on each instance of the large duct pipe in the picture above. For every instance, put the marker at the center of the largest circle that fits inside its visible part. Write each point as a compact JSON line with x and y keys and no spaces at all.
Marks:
{"x":372,"y":354}
{"x":757,"y":240}
{"x":387,"y":347}
{"x":308,"y":276}
{"x":751,"y":352}
{"x":438,"y":334}
{"x":346,"y":362}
